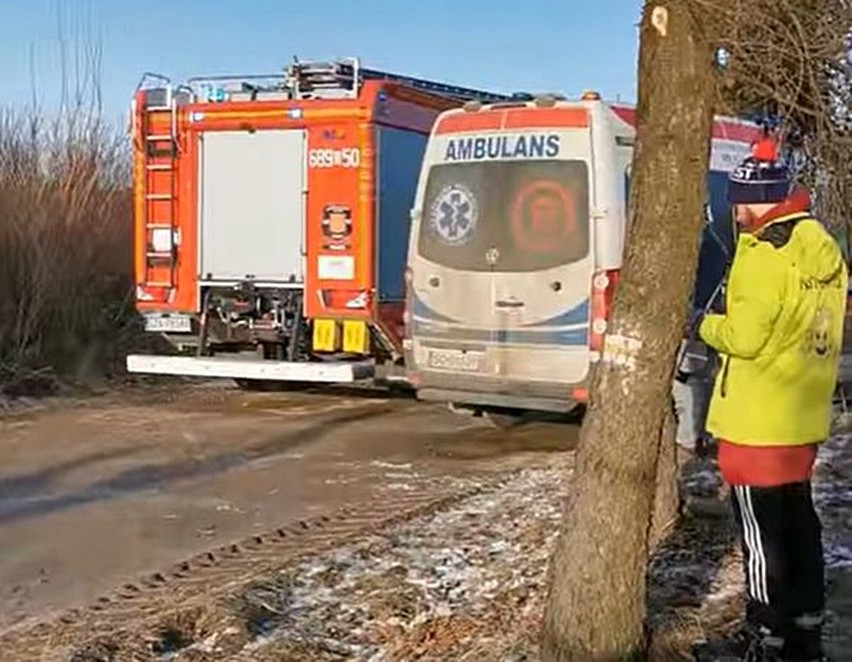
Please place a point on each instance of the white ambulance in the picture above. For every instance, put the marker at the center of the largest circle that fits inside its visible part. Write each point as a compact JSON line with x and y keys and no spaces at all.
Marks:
{"x":516,"y":245}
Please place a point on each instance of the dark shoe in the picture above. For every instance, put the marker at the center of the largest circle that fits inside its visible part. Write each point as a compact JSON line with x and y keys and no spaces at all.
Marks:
{"x":749,"y":644}
{"x":822,"y":657}
{"x":804,"y":656}
{"x":803,"y":640}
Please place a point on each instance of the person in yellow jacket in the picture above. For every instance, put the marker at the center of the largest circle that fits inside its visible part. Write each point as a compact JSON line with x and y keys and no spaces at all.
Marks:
{"x":779,"y":341}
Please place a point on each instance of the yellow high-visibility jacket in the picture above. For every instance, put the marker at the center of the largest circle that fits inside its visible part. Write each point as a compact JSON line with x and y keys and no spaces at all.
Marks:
{"x":780,"y":338}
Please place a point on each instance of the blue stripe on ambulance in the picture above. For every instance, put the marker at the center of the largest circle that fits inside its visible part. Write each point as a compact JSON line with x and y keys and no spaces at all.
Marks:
{"x":568,"y":328}
{"x":566,"y":337}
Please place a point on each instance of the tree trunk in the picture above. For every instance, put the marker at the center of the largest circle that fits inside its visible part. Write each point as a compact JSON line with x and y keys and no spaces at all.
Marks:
{"x":666,"y":491}
{"x":596,"y":599}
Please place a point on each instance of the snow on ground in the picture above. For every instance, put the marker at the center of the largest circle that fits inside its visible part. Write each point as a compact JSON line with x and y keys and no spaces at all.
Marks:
{"x":703,"y":559}
{"x":833,"y":496}
{"x":468,"y":583}
{"x":387,"y":597}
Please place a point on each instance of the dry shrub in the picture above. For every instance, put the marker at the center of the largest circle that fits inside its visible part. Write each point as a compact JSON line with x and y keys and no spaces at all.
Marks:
{"x":65,"y":242}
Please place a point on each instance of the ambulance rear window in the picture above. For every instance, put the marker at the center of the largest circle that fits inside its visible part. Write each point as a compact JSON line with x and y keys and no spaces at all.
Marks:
{"x":507,"y":216}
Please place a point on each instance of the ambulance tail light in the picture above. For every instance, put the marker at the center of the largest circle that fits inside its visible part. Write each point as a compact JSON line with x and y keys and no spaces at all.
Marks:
{"x":603,"y":291}
{"x":406,"y":312}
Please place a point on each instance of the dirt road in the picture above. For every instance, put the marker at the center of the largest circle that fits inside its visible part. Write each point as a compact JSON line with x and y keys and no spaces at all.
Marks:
{"x":95,"y":495}
{"x":209,"y":524}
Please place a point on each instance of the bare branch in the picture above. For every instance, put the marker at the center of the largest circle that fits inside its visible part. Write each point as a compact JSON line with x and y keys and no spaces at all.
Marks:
{"x":789,"y":58}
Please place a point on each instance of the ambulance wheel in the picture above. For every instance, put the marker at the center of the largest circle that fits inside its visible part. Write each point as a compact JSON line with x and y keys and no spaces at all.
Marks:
{"x":502,"y":420}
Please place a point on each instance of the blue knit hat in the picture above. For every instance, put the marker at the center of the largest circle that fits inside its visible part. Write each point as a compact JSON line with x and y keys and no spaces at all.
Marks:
{"x":760,"y":179}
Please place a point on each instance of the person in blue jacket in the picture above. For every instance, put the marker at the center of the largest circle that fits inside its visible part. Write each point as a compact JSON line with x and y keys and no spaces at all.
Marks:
{"x":696,"y":361}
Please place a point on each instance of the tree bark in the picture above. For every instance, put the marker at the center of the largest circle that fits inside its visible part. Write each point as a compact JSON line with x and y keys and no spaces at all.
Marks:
{"x":666,"y":491}
{"x":596,"y":599}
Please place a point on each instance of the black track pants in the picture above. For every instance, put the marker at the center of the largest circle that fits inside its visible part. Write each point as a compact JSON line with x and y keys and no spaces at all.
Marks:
{"x":782,"y":554}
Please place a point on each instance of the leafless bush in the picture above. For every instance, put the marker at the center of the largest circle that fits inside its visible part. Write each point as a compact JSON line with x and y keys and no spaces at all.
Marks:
{"x":789,"y":59}
{"x":65,"y":238}
{"x":65,"y":221}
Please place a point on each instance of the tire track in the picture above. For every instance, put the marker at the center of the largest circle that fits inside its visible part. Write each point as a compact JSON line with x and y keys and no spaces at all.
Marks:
{"x":135,"y":609}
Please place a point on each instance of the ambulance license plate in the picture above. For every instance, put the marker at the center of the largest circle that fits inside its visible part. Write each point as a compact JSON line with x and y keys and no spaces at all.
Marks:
{"x":456,"y":360}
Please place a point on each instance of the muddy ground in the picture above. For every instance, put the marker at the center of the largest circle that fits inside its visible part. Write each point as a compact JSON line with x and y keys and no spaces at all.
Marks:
{"x":95,"y":492}
{"x":467,"y":583}
{"x":93,"y":495}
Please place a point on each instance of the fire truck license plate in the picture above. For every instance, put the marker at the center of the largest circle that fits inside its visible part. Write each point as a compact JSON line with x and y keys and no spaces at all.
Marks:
{"x":450,"y":359}
{"x":168,"y":323}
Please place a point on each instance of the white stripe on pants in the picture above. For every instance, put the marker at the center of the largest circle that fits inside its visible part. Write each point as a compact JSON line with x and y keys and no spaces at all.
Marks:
{"x":756,"y":561}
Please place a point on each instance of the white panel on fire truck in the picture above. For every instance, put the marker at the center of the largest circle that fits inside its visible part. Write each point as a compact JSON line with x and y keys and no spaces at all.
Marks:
{"x":252,"y":202}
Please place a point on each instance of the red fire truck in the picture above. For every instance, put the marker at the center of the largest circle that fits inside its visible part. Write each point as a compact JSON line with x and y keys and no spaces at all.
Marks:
{"x":271,"y":218}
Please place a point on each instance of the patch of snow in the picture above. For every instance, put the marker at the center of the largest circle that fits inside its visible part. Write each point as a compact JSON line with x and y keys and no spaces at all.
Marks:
{"x":401,"y":475}
{"x":430,"y":578}
{"x":455,"y":562}
{"x":390,"y":465}
{"x":833,"y":498}
{"x":832,"y":490}
{"x":405,"y":487}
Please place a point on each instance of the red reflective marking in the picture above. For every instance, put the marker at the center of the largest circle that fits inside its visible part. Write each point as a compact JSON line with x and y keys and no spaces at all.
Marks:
{"x":475,"y":121}
{"x":533,"y":118}
{"x":544,"y":199}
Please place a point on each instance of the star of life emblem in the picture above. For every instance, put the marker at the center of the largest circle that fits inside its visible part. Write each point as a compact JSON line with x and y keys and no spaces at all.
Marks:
{"x":453,"y":214}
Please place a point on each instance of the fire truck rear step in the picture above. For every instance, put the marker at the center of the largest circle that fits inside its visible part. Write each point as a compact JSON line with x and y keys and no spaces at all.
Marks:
{"x":235,"y":368}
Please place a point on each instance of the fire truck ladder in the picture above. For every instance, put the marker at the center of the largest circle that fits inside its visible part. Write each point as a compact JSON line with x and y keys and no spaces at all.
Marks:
{"x":346,"y":75}
{"x":160,"y":156}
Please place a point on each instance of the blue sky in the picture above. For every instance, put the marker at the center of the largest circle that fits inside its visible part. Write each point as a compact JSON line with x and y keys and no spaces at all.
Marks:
{"x":532,"y":45}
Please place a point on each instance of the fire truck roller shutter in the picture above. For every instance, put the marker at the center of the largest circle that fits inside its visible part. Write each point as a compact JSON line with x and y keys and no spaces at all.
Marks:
{"x":251,"y":205}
